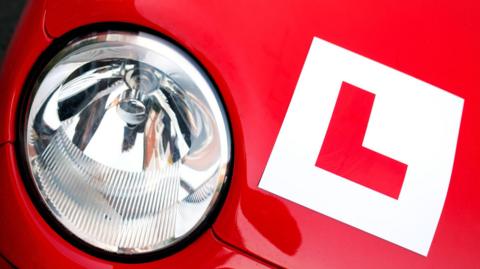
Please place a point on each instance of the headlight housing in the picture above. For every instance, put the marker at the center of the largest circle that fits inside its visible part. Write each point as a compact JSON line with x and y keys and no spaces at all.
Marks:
{"x":126,"y":142}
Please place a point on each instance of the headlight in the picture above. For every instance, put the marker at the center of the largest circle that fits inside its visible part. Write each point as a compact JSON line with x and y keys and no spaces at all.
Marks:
{"x":126,"y":141}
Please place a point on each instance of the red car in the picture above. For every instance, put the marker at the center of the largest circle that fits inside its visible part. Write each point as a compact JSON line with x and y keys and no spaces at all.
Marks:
{"x":248,"y":134}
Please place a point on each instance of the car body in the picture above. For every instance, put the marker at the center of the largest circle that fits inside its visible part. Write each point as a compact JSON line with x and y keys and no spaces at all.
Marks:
{"x":255,"y":51}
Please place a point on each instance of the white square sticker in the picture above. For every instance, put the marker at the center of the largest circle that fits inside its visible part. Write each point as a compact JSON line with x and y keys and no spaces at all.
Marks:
{"x":411,"y":121}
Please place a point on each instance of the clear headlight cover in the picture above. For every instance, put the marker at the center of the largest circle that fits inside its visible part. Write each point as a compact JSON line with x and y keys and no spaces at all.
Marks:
{"x":126,"y":141}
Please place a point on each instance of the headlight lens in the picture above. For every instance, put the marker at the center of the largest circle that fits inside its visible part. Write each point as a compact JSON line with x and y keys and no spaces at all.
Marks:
{"x":126,"y":141}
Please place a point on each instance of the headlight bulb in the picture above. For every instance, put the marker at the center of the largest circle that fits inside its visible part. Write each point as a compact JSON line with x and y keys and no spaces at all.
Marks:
{"x":127,"y":142}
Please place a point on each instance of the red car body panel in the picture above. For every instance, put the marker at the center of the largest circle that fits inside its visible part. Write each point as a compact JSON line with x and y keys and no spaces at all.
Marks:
{"x":254,"y":51}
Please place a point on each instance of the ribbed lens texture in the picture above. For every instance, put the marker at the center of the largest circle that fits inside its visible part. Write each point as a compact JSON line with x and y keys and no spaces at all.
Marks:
{"x":127,"y":142}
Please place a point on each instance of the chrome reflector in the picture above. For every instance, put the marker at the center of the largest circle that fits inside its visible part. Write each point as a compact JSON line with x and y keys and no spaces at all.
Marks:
{"x":126,"y":141}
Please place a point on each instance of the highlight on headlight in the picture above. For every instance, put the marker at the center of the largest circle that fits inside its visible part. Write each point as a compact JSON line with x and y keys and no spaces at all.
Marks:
{"x":126,"y":141}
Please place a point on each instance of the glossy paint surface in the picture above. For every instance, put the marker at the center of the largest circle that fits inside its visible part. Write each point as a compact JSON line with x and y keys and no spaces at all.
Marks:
{"x":254,"y":52}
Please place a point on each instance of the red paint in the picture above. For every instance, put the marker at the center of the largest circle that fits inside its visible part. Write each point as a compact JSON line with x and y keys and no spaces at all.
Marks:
{"x":28,"y":42}
{"x":342,"y":152}
{"x":4,"y":264}
{"x":254,"y":51}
